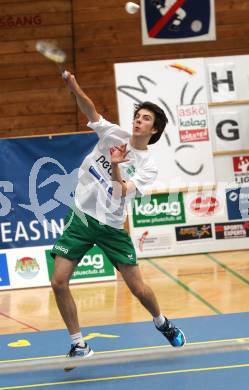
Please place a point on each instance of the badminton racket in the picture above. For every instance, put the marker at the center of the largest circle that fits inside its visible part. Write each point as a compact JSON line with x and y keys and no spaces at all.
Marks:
{"x":52,"y":52}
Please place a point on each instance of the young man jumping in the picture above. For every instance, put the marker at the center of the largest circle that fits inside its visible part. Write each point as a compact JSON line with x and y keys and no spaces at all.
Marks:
{"x":119,"y":168}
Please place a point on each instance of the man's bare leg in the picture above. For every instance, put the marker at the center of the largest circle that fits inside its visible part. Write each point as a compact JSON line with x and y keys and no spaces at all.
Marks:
{"x":133,"y":278}
{"x":63,"y":269}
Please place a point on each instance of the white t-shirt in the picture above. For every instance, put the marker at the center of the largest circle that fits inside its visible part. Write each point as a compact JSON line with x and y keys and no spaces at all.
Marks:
{"x":93,"y":194}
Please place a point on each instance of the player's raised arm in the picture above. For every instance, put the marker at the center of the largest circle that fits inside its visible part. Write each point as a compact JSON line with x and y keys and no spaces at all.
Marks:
{"x":85,"y":104}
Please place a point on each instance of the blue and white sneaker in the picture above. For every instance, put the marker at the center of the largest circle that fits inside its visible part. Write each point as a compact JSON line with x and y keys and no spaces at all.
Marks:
{"x":78,"y":351}
{"x":173,"y":334}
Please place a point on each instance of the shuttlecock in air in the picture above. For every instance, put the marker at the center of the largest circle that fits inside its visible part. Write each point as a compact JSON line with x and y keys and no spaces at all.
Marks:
{"x":131,"y":7}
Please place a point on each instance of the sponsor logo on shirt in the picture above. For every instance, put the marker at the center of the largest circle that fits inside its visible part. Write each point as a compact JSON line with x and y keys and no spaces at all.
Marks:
{"x":61,"y":248}
{"x":101,"y":180}
{"x":131,"y":170}
{"x":105,"y":164}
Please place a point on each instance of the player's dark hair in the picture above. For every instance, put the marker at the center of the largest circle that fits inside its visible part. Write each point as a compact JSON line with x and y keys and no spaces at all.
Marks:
{"x":160,"y":119}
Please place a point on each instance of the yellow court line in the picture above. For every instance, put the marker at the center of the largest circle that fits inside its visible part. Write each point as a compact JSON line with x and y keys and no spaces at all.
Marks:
{"x":132,"y":376}
{"x":239,"y":340}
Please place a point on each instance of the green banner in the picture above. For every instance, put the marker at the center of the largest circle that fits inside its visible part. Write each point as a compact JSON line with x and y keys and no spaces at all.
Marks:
{"x":94,"y":264}
{"x":159,"y":209}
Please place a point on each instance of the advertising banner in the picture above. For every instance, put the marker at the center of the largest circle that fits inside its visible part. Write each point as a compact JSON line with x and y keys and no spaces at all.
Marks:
{"x":161,"y":209}
{"x":37,"y":183}
{"x":94,"y":266}
{"x":193,"y":125}
{"x":238,"y":203}
{"x":38,"y":178}
{"x":241,"y":169}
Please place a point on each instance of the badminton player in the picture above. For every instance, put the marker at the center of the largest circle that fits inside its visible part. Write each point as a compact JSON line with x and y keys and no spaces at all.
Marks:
{"x":119,"y":168}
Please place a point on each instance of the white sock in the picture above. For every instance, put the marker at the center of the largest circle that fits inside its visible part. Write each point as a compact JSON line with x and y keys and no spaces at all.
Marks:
{"x":159,"y":321}
{"x":77,"y":338}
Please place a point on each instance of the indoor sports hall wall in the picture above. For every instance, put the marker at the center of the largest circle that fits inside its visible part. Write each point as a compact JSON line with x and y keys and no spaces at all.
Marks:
{"x":200,"y":200}
{"x":95,"y":35}
{"x":33,"y":99}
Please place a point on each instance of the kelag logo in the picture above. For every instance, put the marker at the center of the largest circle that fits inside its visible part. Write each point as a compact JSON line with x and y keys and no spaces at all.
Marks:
{"x":4,"y":274}
{"x":94,"y":264}
{"x":160,"y":209}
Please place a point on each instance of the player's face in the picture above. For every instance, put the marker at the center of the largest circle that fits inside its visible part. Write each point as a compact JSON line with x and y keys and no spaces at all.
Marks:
{"x":143,"y":124}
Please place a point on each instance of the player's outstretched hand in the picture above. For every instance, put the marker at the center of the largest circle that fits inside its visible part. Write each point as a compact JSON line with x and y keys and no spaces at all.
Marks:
{"x":70,"y":81}
{"x":119,"y":154}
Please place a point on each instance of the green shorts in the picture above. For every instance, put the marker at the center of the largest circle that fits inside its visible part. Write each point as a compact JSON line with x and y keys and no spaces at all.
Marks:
{"x":78,"y":238}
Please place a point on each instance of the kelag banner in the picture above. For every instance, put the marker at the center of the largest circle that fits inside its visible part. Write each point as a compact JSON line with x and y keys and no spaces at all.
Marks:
{"x":38,"y":177}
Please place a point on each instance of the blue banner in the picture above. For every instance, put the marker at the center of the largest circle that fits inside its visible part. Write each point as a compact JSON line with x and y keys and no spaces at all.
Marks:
{"x":37,"y":182}
{"x":4,"y":274}
{"x":238,"y":203}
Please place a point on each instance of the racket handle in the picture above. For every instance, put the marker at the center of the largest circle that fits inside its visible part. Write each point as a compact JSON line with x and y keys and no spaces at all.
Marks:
{"x":61,"y":68}
{"x":65,"y":74}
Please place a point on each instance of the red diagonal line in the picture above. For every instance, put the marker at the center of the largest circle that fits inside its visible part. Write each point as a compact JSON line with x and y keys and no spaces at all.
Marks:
{"x":162,"y":21}
{"x":19,"y":322}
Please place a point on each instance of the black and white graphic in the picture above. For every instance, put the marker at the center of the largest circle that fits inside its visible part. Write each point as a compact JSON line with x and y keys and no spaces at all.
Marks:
{"x":222,"y":81}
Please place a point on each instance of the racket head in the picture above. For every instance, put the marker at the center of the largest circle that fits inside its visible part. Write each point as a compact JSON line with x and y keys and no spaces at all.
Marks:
{"x":51,"y":51}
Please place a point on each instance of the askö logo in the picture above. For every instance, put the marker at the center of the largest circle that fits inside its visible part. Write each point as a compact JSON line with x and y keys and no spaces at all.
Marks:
{"x":159,"y":209}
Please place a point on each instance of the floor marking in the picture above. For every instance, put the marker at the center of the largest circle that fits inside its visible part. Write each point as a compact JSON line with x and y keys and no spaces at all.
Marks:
{"x":183,"y":285}
{"x":19,"y":344}
{"x":234,"y":273}
{"x":131,"y":376}
{"x":94,"y":335}
{"x":239,"y":340}
{"x":20,"y":322}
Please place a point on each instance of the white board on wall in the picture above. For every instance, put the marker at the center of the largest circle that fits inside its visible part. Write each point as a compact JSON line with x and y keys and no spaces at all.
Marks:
{"x":170,"y":84}
{"x":231,"y":74}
